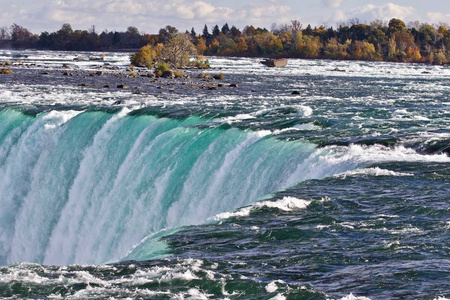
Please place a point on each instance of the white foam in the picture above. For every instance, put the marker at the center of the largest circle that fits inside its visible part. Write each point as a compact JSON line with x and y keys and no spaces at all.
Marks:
{"x":374,"y":172}
{"x":353,"y":297}
{"x":285,"y":204}
{"x":278,"y":297}
{"x":272,"y":287}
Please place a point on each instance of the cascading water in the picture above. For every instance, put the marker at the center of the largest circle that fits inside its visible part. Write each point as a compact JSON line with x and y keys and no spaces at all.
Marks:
{"x":84,"y":187}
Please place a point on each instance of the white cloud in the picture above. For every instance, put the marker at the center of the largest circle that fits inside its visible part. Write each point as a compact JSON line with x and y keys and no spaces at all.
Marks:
{"x":372,"y":12}
{"x":147,"y":15}
{"x":332,"y":3}
{"x":437,"y":17}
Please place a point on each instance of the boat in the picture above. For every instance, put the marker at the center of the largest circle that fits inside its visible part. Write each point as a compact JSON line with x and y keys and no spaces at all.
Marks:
{"x":278,"y":62}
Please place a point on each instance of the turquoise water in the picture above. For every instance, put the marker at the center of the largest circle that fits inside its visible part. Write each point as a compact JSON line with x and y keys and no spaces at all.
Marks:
{"x":340,"y":192}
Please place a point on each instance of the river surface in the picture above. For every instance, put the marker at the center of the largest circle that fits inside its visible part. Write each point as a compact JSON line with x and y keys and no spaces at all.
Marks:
{"x":171,"y":189}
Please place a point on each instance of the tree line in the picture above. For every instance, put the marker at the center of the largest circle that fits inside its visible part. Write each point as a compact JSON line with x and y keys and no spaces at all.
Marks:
{"x":354,"y":40}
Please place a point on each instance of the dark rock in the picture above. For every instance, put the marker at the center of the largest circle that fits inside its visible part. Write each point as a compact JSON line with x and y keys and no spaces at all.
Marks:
{"x":204,"y":76}
{"x":221,"y":85}
{"x":99,"y":73}
{"x":118,"y":102}
{"x":233,"y":85}
{"x":168,"y":74}
{"x":212,"y":88}
{"x":295,"y":93}
{"x":67,"y":73}
{"x":218,"y":76}
{"x":107,"y":86}
{"x":122,"y":86}
{"x":279,"y":62}
{"x":83,"y":84}
{"x":45,"y":73}
{"x":338,"y":70}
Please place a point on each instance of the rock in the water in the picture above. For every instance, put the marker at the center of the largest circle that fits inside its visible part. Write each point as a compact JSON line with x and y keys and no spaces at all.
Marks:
{"x":233,"y":85}
{"x":122,"y":86}
{"x":295,"y":93}
{"x":279,"y":62}
{"x":168,"y":74}
{"x":218,"y":76}
{"x":204,"y":76}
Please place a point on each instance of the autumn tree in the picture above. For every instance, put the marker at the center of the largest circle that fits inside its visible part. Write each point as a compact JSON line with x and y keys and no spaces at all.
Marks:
{"x":295,"y":26}
{"x":242,"y":46}
{"x":166,"y":33}
{"x":201,"y":46}
{"x":404,"y":41}
{"x":178,"y":49}
{"x":392,"y":49}
{"x":363,"y":50}
{"x":214,"y":47}
{"x":4,"y":33}
{"x":147,"y":56}
{"x":307,"y":46}
{"x":20,"y":36}
{"x":335,"y":50}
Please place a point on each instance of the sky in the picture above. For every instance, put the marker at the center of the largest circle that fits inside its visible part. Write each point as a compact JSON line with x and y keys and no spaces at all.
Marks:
{"x":149,"y":16}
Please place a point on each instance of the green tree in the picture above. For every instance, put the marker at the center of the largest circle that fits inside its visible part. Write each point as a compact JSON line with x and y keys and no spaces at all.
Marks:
{"x":216,"y":31}
{"x":396,"y":25}
{"x":225,"y":28}
{"x":206,"y":35}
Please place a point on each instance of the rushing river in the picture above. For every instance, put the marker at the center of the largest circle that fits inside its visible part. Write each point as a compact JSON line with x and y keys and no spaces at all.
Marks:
{"x":338,"y":191}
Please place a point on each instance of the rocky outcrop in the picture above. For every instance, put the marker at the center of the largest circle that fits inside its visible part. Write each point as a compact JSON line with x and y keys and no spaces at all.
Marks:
{"x":275,"y":63}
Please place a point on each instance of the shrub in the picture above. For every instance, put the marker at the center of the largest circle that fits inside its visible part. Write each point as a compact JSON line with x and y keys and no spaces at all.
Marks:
{"x":179,"y":74}
{"x":200,"y":63}
{"x":163,"y":67}
{"x":6,"y":71}
{"x":146,"y":56}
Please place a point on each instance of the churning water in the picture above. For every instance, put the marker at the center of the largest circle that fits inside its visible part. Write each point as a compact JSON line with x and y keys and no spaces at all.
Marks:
{"x":338,"y":192}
